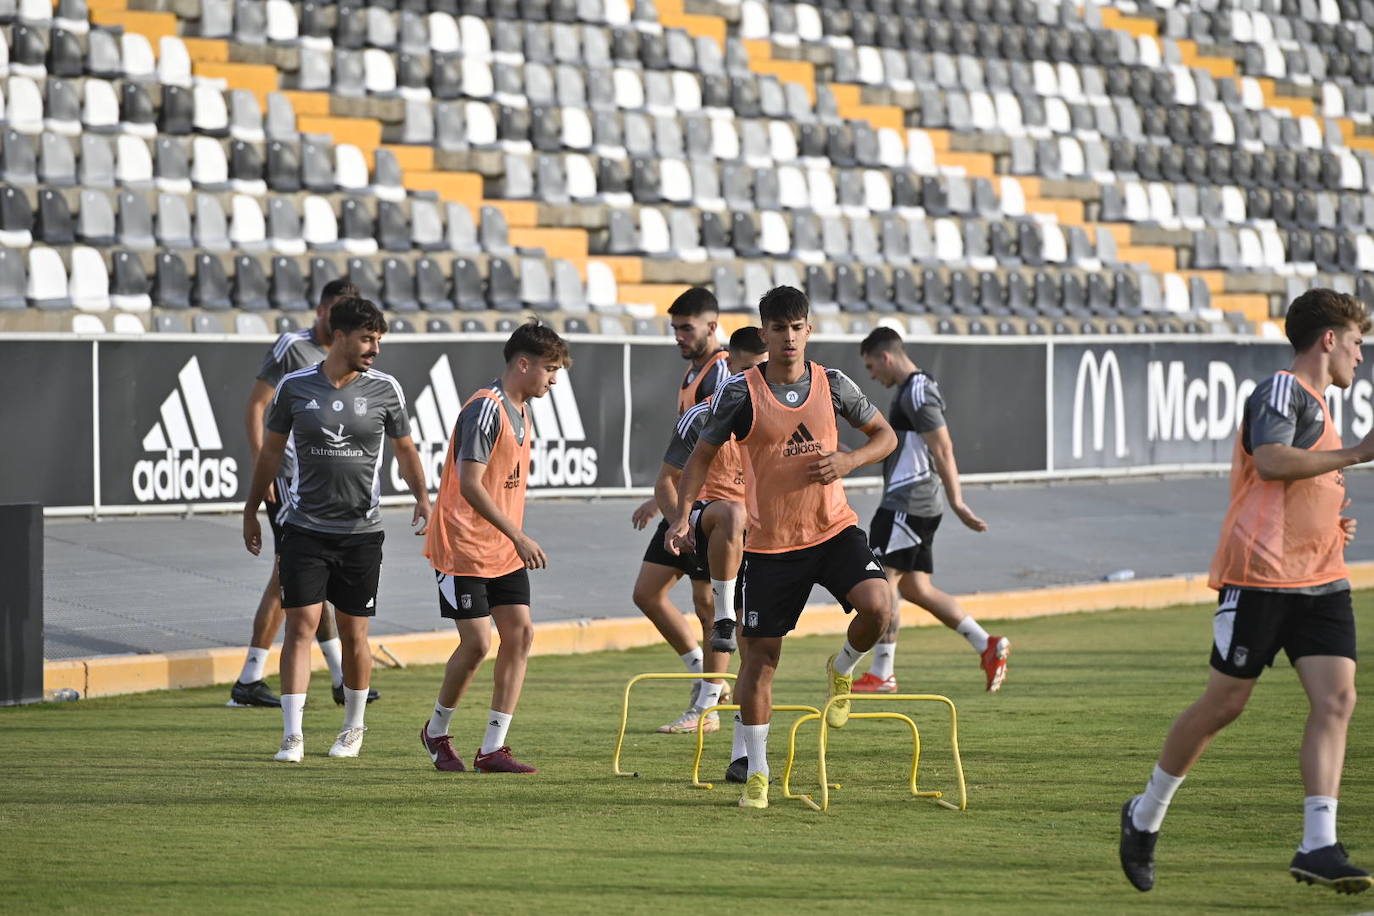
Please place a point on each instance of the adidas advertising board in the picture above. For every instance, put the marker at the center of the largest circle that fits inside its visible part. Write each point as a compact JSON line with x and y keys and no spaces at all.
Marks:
{"x":172,"y":422}
{"x":575,"y":425}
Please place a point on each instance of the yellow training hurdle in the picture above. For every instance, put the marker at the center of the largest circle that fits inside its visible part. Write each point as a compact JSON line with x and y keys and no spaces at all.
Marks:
{"x":625,"y":706}
{"x":823,"y":746}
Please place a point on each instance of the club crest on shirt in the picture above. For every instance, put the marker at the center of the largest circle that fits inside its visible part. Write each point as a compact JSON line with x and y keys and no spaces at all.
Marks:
{"x":360,"y":406}
{"x":337,"y":405}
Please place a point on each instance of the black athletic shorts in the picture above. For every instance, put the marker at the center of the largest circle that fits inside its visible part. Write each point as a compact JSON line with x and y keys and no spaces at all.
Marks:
{"x":692,"y":565}
{"x":904,"y":542}
{"x":339,"y":568}
{"x":1251,"y":626}
{"x":775,"y":586}
{"x":471,"y":597}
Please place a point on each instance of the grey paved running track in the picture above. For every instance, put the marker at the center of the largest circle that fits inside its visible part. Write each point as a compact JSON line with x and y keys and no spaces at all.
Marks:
{"x":164,"y":584}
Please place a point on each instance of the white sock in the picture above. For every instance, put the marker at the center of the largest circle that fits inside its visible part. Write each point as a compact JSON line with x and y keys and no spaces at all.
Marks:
{"x":498,"y":723}
{"x":693,"y":660}
{"x":254,"y":666}
{"x":976,"y":635}
{"x":333,"y":657}
{"x":1318,"y":822}
{"x":756,"y":747}
{"x":737,"y":748}
{"x":884,"y":653}
{"x":725,"y":598}
{"x":292,"y":705}
{"x":708,"y":695}
{"x":438,"y":723}
{"x":355,"y":706}
{"x":847,"y":659}
{"x":1151,"y":805}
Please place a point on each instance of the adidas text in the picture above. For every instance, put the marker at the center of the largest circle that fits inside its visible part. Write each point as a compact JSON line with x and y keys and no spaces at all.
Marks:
{"x":176,"y":477}
{"x":556,"y":465}
{"x":794,"y":450}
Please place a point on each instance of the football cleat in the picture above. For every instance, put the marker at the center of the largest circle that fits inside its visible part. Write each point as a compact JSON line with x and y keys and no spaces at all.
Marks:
{"x":871,"y":683}
{"x":755,"y":792}
{"x":723,"y":635}
{"x":1137,"y":851}
{"x":292,"y":749}
{"x":372,"y":695}
{"x":1330,"y":867}
{"x":500,"y":761}
{"x":836,"y":684}
{"x":738,"y":770}
{"x":349,"y":743}
{"x":441,"y":752}
{"x":255,"y":694}
{"x":994,"y":661}
{"x":687,"y":722}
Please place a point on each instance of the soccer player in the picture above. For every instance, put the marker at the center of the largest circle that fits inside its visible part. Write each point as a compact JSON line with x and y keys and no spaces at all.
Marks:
{"x":717,"y":529}
{"x":903,"y":529}
{"x":801,"y":529}
{"x":1280,"y":572}
{"x":479,"y":550}
{"x":335,"y":414}
{"x":293,"y":350}
{"x":694,"y":315}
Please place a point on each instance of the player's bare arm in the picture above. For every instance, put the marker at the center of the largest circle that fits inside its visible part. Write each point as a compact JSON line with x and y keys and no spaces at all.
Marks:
{"x":264,"y":472}
{"x":470,"y":475}
{"x":413,"y":473}
{"x":1276,"y":461}
{"x":832,"y":466}
{"x":665,"y":491}
{"x":258,"y":400}
{"x":942,"y":453}
{"x":644,"y":513}
{"x":693,"y":477}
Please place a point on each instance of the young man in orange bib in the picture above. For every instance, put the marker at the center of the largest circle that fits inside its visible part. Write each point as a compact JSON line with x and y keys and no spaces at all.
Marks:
{"x":1280,"y":571}
{"x":694,"y":314}
{"x":801,"y":529}
{"x":479,"y":551}
{"x":718,"y":520}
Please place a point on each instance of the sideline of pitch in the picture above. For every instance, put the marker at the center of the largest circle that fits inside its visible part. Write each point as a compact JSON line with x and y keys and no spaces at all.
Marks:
{"x":111,"y":675}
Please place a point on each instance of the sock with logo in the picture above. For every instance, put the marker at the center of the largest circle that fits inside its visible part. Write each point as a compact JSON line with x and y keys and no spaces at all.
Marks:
{"x":355,"y":707}
{"x":1318,"y":822}
{"x":439,"y":722}
{"x":332,"y":649}
{"x":498,"y":723}
{"x":693,"y":660}
{"x":1152,"y":804}
{"x":708,"y":695}
{"x":847,"y":659}
{"x":756,"y":747}
{"x":884,"y":655}
{"x":292,"y":706}
{"x":254,"y":666}
{"x":976,"y":635}
{"x":737,"y":748}
{"x":725,"y":598}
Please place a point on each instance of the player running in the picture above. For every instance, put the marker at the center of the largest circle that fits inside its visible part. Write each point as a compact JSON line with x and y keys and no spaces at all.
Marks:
{"x":336,"y":415}
{"x":903,"y":529}
{"x":802,"y":531}
{"x":717,"y":526}
{"x":480,"y":552}
{"x":1280,"y":572}
{"x":694,"y":315}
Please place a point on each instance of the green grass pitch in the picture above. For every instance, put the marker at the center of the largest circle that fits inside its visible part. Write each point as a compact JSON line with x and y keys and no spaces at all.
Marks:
{"x":170,"y":802}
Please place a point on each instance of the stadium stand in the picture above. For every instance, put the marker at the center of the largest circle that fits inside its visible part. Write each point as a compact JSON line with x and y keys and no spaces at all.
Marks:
{"x":944,"y":166}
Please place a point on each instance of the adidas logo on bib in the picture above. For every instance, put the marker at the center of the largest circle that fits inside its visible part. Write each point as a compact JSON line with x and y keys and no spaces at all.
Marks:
{"x":801,"y":442}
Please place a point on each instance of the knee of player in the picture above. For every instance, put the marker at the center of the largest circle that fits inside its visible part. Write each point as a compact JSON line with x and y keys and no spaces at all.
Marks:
{"x":518,"y":638}
{"x":733,"y":520}
{"x":475,"y":645}
{"x":1336,"y":704}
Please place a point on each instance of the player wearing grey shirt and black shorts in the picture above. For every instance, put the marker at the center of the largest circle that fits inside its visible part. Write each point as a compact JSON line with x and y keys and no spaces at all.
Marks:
{"x":335,"y":415}
{"x":917,"y":477}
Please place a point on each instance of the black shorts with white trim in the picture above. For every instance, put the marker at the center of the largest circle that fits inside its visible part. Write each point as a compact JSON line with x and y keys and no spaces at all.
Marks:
{"x":904,"y":542}
{"x":775,"y":586}
{"x":1251,"y":626}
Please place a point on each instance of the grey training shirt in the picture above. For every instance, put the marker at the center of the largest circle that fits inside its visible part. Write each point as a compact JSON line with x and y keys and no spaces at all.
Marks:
{"x":1280,"y":411}
{"x":910,"y":483}
{"x":293,"y":350}
{"x":479,"y":425}
{"x":338,"y":435}
{"x":733,"y":414}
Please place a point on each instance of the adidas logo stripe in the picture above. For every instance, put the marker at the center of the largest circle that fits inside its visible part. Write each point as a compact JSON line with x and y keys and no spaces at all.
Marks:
{"x":187,"y":420}
{"x":801,"y":435}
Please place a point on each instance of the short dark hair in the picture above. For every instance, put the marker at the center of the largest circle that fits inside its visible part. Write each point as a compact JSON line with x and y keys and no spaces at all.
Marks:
{"x":747,"y":340}
{"x":783,"y":303}
{"x":353,"y":313}
{"x":1319,"y":310}
{"x":340,"y":288}
{"x":695,"y":301}
{"x":533,"y":338}
{"x":881,"y":339}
